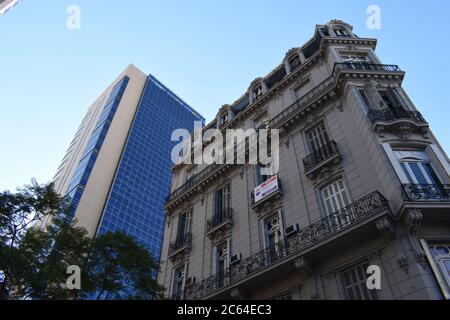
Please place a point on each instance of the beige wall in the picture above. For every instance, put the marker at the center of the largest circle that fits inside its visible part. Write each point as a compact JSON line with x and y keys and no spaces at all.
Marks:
{"x":89,"y":211}
{"x":365,"y":167}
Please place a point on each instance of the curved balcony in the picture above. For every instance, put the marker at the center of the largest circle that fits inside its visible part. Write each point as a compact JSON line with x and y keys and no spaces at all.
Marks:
{"x":397,"y":120}
{"x":327,"y":155}
{"x":370,"y":206}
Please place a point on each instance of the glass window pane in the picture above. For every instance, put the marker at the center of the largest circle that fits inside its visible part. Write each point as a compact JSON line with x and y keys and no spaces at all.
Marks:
{"x":418,"y":175}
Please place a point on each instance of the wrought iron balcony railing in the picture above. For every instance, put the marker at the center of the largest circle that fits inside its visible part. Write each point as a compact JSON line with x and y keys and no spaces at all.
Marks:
{"x":220,"y":219}
{"x":318,"y":91}
{"x":180,"y":243}
{"x":324,"y":153}
{"x":426,"y":192}
{"x":365,"y":66}
{"x":388,"y":115}
{"x":326,"y":86}
{"x":317,"y":232}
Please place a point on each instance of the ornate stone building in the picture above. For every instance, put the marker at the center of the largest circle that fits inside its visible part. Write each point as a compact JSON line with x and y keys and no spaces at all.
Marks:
{"x":362,"y":182}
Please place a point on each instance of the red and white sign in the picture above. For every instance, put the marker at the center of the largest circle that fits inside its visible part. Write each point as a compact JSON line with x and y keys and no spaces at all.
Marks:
{"x":267,"y":188}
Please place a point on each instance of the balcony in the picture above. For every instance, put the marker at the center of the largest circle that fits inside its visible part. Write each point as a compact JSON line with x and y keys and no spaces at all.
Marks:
{"x":334,"y":225}
{"x":180,"y":246}
{"x":327,"y":87}
{"x":426,"y":192}
{"x":325,"y":156}
{"x":365,"y":66}
{"x":398,"y":121}
{"x":266,"y":193}
{"x":219,"y":222}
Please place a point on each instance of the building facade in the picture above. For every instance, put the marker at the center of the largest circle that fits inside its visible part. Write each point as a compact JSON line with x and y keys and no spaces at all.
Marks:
{"x":6,"y":5}
{"x":117,"y":169}
{"x":362,"y":189}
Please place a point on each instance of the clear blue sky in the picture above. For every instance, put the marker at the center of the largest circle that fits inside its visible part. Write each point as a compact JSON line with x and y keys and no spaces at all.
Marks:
{"x":206,"y":51}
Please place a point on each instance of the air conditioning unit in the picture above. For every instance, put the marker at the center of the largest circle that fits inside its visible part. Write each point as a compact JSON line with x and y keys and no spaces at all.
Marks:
{"x":190,"y":281}
{"x":235,"y":259}
{"x":291,"y":230}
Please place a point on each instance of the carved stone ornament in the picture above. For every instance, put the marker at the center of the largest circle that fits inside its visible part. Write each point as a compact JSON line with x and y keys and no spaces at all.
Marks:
{"x":403,"y":262}
{"x":405,"y":131}
{"x":413,"y":220}
{"x":238,"y":294}
{"x":385,"y":226}
{"x":302,"y":265}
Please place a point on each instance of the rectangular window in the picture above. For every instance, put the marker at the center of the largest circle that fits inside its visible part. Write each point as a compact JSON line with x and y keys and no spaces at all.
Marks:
{"x":335,"y":196}
{"x":224,"y":119}
{"x":222,"y":262}
{"x":317,"y":137}
{"x":184,"y":226}
{"x":365,"y":98}
{"x":355,"y":57}
{"x":417,"y":167}
{"x":354,"y":282}
{"x":257,"y":92}
{"x":222,"y":201}
{"x":441,"y":257}
{"x":273,"y":230}
{"x":260,"y":179}
{"x":387,"y":99}
{"x":340,"y":32}
{"x":294,"y":62}
{"x":179,"y":279}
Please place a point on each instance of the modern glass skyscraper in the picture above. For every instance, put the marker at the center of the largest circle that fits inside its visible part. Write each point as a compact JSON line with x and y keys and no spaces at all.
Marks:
{"x":117,"y":170}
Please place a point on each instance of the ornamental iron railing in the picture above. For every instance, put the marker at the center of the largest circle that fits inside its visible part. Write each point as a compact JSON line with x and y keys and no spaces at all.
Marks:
{"x":317,"y":232}
{"x":425,"y":192}
{"x":318,"y":91}
{"x":322,"y":154}
{"x":225,"y":216}
{"x":392,"y":115}
{"x":180,"y":243}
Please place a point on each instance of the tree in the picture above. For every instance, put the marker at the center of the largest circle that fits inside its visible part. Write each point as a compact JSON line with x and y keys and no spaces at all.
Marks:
{"x":121,"y":268}
{"x":18,"y":212}
{"x":34,"y":259}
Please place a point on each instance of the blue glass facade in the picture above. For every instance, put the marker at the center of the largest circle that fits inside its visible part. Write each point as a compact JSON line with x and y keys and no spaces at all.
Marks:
{"x":143,"y":177}
{"x":87,"y":162}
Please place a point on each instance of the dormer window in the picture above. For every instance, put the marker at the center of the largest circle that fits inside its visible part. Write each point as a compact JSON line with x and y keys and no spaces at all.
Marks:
{"x":224,"y":119}
{"x":294,"y":62}
{"x":257,"y":92}
{"x":341,"y":32}
{"x":325,"y":32}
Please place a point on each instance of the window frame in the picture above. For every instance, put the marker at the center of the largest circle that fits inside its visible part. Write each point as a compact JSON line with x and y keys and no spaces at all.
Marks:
{"x":360,"y":283}
{"x":324,"y":135}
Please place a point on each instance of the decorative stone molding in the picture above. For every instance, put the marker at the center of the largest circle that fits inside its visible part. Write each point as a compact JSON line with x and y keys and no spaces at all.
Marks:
{"x":220,"y":235}
{"x":405,"y":131}
{"x":303,"y":265}
{"x":385,"y":226}
{"x":413,"y":220}
{"x":403,"y":262}
{"x":238,"y":293}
